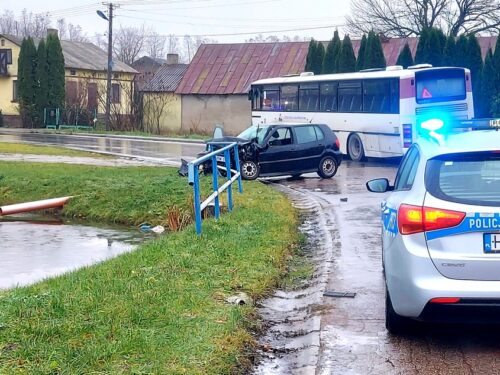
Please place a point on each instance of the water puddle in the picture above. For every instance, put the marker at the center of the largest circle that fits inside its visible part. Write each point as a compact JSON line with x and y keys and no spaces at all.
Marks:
{"x":36,"y":247}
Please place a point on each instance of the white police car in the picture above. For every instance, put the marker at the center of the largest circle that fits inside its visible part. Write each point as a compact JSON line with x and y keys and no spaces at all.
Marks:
{"x":441,"y":230}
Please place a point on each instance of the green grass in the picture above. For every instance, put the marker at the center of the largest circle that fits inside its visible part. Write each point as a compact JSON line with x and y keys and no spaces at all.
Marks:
{"x":21,"y":148}
{"x":159,"y":309}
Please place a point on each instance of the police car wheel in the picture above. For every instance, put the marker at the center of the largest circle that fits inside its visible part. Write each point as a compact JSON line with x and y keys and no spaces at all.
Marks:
{"x":395,"y":324}
{"x":249,"y":170}
{"x":328,"y":167}
{"x":355,"y":148}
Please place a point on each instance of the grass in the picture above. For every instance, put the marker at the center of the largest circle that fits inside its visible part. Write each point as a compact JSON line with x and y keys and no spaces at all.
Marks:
{"x":159,"y":309}
{"x":21,"y":148}
{"x":135,"y":133}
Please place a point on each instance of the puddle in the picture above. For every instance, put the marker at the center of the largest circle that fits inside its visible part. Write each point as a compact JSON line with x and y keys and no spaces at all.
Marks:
{"x":35,"y":247}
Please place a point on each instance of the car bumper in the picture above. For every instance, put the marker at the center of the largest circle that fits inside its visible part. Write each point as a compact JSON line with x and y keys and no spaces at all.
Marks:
{"x":413,"y":280}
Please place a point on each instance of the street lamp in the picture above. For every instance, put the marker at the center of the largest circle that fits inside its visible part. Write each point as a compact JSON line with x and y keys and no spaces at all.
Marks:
{"x":110,"y":62}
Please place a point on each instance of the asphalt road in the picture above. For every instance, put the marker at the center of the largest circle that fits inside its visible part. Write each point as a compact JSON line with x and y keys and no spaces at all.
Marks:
{"x":352,"y":335}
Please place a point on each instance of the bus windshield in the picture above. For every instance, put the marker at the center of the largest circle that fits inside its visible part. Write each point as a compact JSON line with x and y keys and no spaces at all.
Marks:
{"x":440,"y":85}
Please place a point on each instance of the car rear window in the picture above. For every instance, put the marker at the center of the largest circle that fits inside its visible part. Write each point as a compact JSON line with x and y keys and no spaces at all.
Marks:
{"x":469,"y":178}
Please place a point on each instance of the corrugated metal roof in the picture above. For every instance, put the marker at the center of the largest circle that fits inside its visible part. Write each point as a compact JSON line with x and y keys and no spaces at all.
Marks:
{"x":82,"y":56}
{"x":166,"y":78}
{"x":231,"y":68}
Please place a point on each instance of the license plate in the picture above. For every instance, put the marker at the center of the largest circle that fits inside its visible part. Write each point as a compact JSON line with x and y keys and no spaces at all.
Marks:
{"x":495,"y":123}
{"x":220,"y":158}
{"x":491,"y":242}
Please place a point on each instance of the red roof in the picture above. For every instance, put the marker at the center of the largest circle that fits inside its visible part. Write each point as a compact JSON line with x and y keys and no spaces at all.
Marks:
{"x":231,"y":68}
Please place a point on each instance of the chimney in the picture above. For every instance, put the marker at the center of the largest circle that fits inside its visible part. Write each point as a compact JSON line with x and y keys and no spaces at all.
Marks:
{"x":172,"y":59}
{"x":53,"y":32}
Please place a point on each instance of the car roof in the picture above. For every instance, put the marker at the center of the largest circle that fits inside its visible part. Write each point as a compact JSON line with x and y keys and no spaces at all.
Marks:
{"x":469,"y":141}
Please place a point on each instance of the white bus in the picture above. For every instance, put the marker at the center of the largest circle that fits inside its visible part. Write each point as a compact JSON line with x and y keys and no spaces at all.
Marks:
{"x":373,"y":113}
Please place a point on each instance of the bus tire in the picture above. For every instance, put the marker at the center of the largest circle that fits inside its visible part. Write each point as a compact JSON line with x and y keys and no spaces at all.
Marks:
{"x":355,"y":148}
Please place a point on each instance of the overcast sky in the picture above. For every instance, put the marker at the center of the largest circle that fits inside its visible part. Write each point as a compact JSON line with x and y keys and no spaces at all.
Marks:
{"x":316,"y":18}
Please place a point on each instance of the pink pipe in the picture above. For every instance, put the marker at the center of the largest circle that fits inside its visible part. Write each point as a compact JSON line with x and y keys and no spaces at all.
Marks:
{"x":33,"y":206}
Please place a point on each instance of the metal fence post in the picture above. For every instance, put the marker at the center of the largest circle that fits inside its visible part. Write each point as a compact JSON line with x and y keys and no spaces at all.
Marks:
{"x":215,"y":181}
{"x":197,"y":208}
{"x":238,"y":167}
{"x":227,"y":157}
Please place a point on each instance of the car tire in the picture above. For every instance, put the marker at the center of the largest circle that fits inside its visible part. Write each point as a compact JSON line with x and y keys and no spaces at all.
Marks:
{"x":249,"y":170}
{"x":394,"y":323}
{"x":355,"y":148}
{"x":328,"y":167}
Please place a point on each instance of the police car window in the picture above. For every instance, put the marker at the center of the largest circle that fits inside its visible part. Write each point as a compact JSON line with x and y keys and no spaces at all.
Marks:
{"x":468,"y":178}
{"x":406,"y":174}
{"x":281,"y":137}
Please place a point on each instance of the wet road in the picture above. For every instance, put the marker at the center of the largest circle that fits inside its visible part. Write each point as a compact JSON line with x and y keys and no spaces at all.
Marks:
{"x":352,"y":337}
{"x":163,"y":151}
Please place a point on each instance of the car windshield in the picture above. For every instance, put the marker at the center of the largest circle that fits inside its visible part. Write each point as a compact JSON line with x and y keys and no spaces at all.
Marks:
{"x":258,"y":132}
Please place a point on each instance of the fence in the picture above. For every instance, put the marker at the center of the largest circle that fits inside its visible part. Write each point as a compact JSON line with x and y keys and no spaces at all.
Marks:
{"x":194,"y":179}
{"x":79,"y":118}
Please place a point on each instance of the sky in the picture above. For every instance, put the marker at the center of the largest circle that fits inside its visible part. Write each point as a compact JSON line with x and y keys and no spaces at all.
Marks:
{"x":213,"y":19}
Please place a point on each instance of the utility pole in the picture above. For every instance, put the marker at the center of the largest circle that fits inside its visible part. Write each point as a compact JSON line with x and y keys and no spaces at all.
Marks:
{"x":110,"y":67}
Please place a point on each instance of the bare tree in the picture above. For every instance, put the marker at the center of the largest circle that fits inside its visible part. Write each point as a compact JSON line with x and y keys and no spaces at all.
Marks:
{"x":191,"y":45}
{"x":408,"y":17}
{"x":155,"y":45}
{"x":128,"y":43}
{"x":157,"y":107}
{"x":27,"y":24}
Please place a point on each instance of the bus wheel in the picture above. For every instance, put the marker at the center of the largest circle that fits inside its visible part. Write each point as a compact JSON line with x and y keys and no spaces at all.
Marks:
{"x":355,"y":148}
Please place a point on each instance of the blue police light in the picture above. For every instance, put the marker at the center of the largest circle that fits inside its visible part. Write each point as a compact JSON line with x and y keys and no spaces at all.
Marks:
{"x":432,"y":125}
{"x":434,"y":128}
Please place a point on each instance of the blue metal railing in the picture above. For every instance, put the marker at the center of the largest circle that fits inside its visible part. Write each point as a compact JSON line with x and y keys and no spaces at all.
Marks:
{"x":194,"y":179}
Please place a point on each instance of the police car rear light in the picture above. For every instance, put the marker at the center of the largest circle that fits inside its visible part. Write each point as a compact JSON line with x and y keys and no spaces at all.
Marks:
{"x":445,"y":300}
{"x":435,"y":218}
{"x":416,"y":219}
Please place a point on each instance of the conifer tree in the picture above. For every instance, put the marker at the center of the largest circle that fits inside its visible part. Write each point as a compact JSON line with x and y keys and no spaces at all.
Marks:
{"x":318,"y":58}
{"x":496,"y":64}
{"x":449,"y":53}
{"x":27,"y":83}
{"x":55,"y":72}
{"x":488,"y":90}
{"x":42,"y":79}
{"x":435,"y":49}
{"x":310,"y":55}
{"x":330,"y":61}
{"x":461,"y":51}
{"x":346,"y":60}
{"x":374,"y":54}
{"x":360,"y":62}
{"x":422,"y":53}
{"x":405,"y":58}
{"x":475,"y":63}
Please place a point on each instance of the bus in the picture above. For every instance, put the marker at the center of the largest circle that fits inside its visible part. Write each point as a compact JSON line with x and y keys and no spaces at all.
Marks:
{"x":374,"y":113}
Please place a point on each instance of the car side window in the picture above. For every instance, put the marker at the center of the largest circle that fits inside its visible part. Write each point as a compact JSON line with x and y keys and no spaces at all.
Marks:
{"x":408,"y":170}
{"x":281,"y":137}
{"x":305,"y":134}
{"x":319,"y":133}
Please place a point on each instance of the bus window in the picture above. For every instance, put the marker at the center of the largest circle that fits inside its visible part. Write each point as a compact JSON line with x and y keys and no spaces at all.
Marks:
{"x":309,"y":97}
{"x":440,"y":85}
{"x":289,"y":99}
{"x":380,"y":96}
{"x":256,"y":98}
{"x":270,"y":98}
{"x":350,"y":96}
{"x":328,"y":97}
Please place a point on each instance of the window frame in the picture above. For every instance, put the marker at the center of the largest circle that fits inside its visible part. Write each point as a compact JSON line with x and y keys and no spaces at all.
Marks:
{"x":114,"y":98}
{"x":313,"y":86}
{"x":15,"y":91}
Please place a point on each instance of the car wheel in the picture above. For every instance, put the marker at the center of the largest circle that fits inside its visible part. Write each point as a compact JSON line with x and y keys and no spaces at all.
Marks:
{"x":249,"y":170}
{"x":328,"y":167}
{"x":395,"y":324}
{"x":355,"y":148}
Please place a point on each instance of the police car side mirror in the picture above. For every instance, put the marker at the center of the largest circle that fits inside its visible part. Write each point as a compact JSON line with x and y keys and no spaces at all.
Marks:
{"x":379,"y":185}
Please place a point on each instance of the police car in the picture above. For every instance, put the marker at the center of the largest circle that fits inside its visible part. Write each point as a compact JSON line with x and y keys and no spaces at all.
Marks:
{"x":441,"y":229}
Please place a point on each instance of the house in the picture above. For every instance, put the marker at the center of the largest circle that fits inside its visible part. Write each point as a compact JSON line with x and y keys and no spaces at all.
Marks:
{"x":215,"y":87}
{"x":147,"y":67}
{"x":85,"y":70}
{"x":162,"y":107}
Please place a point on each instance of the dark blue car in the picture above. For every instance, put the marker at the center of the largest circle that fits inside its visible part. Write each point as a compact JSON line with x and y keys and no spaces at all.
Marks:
{"x":286,"y":149}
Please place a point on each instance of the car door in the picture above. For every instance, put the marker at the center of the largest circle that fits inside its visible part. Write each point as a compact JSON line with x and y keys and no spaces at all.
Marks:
{"x":276,"y":157}
{"x":403,"y":184}
{"x":308,"y":148}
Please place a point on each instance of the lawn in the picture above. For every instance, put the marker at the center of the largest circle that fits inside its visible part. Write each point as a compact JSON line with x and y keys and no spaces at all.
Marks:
{"x":21,"y":148}
{"x":159,"y":309}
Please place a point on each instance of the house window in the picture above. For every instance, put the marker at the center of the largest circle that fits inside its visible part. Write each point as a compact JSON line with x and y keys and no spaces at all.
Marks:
{"x":15,"y":92}
{"x":115,"y":93}
{"x":72,"y":72}
{"x":2,"y":42}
